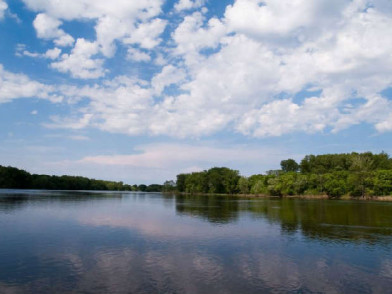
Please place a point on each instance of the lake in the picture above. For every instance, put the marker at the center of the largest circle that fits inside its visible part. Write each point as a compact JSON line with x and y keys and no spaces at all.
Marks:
{"x":124,"y":242}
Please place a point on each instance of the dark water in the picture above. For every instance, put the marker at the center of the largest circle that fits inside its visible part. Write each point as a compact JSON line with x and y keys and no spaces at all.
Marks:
{"x":79,"y":242}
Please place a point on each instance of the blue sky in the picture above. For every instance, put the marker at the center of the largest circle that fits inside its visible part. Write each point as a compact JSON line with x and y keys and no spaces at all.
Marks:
{"x":140,"y":91}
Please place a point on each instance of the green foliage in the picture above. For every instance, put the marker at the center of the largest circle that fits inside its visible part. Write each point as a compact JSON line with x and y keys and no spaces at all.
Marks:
{"x":335,"y":175}
{"x":326,"y":163}
{"x":153,"y":188}
{"x":382,"y":184}
{"x":289,"y":165}
{"x":169,"y":186}
{"x":335,"y":184}
{"x":218,"y":180}
{"x":13,"y":178}
{"x":181,"y":182}
{"x":243,"y":185}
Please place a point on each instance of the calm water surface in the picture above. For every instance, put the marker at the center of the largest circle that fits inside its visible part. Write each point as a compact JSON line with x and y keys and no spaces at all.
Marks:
{"x":83,"y":242}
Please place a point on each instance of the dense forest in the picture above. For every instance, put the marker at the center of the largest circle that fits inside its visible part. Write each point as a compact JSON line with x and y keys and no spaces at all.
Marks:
{"x":334,"y":175}
{"x":13,"y":178}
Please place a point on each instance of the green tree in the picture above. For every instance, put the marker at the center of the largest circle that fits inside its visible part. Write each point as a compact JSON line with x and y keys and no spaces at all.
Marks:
{"x":289,"y":165}
{"x":362,"y":165}
{"x":383,"y":182}
{"x":180,"y":183}
{"x":169,"y":186}
{"x":243,"y":185}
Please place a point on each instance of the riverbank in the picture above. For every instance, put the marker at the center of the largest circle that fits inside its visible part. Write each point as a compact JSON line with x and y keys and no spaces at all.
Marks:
{"x":321,"y":196}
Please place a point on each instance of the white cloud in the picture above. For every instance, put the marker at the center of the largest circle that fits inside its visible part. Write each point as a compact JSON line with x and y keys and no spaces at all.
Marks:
{"x":13,"y":86}
{"x":49,"y":54}
{"x":168,"y":76}
{"x":191,"y":37}
{"x":294,"y":19}
{"x":70,"y":123}
{"x":147,"y":34}
{"x":138,"y":55}
{"x":80,"y":62}
{"x":245,"y":71}
{"x":340,"y":51}
{"x":47,"y":27}
{"x":3,"y":8}
{"x":129,"y":22}
{"x":20,"y":51}
{"x":188,"y":4}
{"x":53,"y":53}
{"x":122,"y":105}
{"x":386,"y":125}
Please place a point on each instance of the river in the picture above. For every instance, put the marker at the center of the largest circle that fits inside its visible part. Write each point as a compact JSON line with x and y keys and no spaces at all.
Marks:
{"x":128,"y":242}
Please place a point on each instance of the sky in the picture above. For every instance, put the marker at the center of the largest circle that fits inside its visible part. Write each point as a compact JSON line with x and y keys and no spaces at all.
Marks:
{"x":139,"y":91}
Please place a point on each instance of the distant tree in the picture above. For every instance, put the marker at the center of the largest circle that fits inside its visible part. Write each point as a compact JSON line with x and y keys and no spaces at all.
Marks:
{"x":274,"y":172}
{"x":14,"y":178}
{"x":335,"y":184}
{"x":154,"y":188}
{"x":243,"y":185}
{"x":289,"y":165}
{"x":142,"y":187}
{"x":362,"y":165}
{"x":382,"y":184}
{"x":258,"y":187}
{"x":169,"y":186}
{"x":180,"y":183}
{"x":196,"y":182}
{"x":222,"y":180}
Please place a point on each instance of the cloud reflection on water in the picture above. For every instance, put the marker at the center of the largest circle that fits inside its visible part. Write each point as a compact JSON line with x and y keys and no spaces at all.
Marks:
{"x":150,"y":244}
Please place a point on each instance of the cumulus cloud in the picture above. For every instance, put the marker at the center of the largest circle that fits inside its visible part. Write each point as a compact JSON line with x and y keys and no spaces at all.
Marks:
{"x":188,"y":4}
{"x":80,"y":62}
{"x":129,"y":22}
{"x":116,"y":106}
{"x":47,"y":27}
{"x":268,"y":49}
{"x":147,"y":34}
{"x":192,"y":35}
{"x":13,"y":86}
{"x":49,"y":54}
{"x":272,"y":19}
{"x":251,"y":70}
{"x":138,"y":55}
{"x":53,"y":53}
{"x":168,"y":76}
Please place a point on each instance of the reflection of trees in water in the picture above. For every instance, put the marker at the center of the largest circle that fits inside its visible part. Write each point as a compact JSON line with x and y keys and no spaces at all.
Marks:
{"x":14,"y":200}
{"x":354,"y":221}
{"x":332,"y":220}
{"x":10,"y":203}
{"x":216,"y":209}
{"x":326,"y":220}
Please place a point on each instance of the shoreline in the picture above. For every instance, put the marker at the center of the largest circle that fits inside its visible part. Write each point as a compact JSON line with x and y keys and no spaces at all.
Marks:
{"x":309,"y":197}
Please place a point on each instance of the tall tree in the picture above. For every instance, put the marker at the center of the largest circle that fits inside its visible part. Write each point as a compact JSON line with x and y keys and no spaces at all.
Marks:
{"x":289,"y":165}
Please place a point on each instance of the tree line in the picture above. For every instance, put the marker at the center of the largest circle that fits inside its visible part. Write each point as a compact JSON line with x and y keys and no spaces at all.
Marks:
{"x":335,"y":175}
{"x":14,"y":178}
